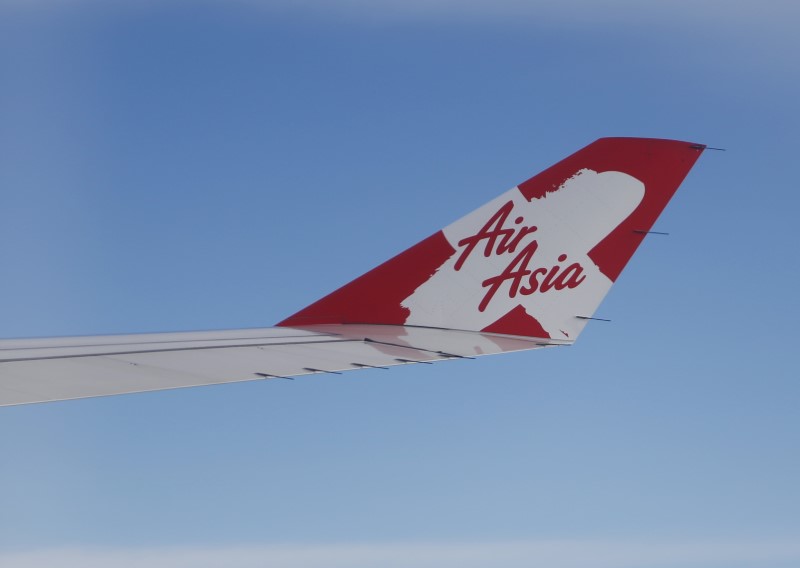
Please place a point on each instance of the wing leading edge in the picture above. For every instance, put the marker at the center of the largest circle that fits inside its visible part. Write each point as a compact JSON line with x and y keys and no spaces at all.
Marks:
{"x":524,"y":271}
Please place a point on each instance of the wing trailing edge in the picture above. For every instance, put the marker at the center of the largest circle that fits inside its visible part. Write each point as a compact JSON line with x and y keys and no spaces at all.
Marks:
{"x":42,"y":370}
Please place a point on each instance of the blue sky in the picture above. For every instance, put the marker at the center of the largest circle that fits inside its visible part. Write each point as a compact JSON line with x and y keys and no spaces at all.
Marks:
{"x":202,"y":165}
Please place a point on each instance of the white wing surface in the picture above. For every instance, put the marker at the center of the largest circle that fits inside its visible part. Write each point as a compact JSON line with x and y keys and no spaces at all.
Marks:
{"x":41,"y":370}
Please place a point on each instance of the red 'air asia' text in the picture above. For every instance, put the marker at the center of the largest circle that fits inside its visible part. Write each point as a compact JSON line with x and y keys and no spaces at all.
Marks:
{"x":497,"y":239}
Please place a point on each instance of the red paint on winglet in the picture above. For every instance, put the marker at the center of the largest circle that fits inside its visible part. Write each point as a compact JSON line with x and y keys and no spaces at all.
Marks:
{"x":518,"y":322}
{"x":660,"y":164}
{"x":375,"y":297}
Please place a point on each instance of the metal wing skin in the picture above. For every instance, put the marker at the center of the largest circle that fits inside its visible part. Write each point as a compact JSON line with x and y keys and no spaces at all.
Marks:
{"x":42,"y":370}
{"x":525,"y":271}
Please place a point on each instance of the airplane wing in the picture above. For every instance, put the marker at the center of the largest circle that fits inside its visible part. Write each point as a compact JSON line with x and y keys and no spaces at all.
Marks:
{"x":39,"y":370}
{"x":525,"y":271}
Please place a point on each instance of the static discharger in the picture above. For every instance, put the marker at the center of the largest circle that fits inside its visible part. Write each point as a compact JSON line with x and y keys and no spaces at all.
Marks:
{"x":701,"y":147}
{"x":312,"y":370}
{"x":365,"y":366}
{"x":268,"y":376}
{"x":413,"y":361}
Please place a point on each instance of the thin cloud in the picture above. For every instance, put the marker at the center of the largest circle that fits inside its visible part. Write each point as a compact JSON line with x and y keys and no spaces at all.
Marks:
{"x":772,"y":21}
{"x":516,"y":554}
{"x":594,"y":12}
{"x":763,"y":29}
{"x":588,"y":11}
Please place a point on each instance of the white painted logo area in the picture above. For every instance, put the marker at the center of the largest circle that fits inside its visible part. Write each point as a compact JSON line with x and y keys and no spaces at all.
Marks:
{"x":514,"y":252}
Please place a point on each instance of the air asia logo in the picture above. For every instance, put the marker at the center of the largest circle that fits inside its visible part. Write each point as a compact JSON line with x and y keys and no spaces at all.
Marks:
{"x":522,"y":274}
{"x":520,"y":255}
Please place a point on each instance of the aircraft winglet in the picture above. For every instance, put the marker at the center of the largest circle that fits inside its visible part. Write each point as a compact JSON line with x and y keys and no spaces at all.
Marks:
{"x":535,"y":261}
